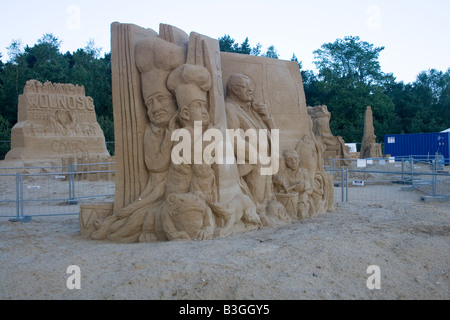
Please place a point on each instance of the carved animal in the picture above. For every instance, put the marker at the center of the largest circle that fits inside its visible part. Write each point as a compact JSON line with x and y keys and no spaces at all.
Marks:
{"x":240,"y":208}
{"x":185,"y":216}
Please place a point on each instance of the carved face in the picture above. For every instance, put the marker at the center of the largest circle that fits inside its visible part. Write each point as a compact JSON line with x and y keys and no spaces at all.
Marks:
{"x":243,"y":90}
{"x":292,"y":162}
{"x":196,"y":111}
{"x":161,"y":108}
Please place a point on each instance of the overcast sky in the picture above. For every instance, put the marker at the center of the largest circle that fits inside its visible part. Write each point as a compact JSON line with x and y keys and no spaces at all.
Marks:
{"x":415,"y":33}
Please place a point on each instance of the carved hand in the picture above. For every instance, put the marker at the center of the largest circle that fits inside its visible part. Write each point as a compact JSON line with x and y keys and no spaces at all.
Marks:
{"x":262,"y":110}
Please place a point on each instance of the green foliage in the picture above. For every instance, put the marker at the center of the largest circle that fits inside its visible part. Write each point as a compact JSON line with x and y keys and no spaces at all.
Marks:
{"x":348,"y":79}
{"x":423,"y":106}
{"x":228,"y":44}
{"x":5,"y":137}
{"x":271,"y":53}
{"x":295,"y":59}
{"x":245,"y":47}
{"x":256,"y":51}
{"x":349,"y":58}
{"x":45,"y":62}
{"x":95,"y":75}
{"x":107,"y":125}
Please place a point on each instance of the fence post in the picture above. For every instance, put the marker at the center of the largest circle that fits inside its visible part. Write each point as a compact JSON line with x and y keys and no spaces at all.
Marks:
{"x":435,"y":170}
{"x":342,"y":184}
{"x":346,"y":184}
{"x":18,"y":178}
{"x":19,"y":201}
{"x":403,"y":170}
{"x":71,"y":199}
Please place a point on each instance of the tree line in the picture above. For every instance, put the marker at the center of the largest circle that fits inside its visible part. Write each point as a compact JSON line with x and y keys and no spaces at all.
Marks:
{"x":348,"y":79}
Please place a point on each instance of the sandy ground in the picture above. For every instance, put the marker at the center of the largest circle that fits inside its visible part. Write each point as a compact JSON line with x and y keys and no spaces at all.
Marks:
{"x":321,"y":258}
{"x":318,"y":258}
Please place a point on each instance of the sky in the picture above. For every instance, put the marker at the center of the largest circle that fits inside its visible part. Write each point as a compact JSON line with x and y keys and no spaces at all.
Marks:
{"x":415,"y":33}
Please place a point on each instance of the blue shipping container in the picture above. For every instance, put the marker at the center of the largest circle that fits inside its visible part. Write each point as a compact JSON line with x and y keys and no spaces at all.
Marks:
{"x":422,"y":146}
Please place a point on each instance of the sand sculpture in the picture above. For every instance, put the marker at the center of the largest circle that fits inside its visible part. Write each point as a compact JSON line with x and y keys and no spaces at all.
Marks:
{"x":198,"y":140}
{"x":334,"y":145}
{"x":369,"y":147}
{"x":56,"y":121}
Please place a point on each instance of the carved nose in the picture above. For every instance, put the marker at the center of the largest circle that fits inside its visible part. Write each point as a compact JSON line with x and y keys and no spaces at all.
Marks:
{"x":157,"y":105}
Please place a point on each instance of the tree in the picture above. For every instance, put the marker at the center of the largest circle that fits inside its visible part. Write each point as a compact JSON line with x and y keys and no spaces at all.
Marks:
{"x":256,"y":51}
{"x":271,"y":52}
{"x":424,"y":105}
{"x":295,"y":59}
{"x":14,"y":50}
{"x":430,"y":109}
{"x":95,"y":75}
{"x":349,"y":79}
{"x":2,"y":83}
{"x":5,"y":136}
{"x":349,"y":58}
{"x":92,"y":49}
{"x":245,"y":47}
{"x":228,"y":44}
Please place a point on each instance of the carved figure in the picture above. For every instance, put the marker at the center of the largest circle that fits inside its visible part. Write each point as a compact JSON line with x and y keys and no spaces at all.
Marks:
{"x":203,"y":182}
{"x":169,"y":85}
{"x":244,"y":113}
{"x":127,"y":223}
{"x":294,"y":183}
{"x":190,"y":84}
{"x":334,"y":145}
{"x":322,"y":185}
{"x":369,"y":147}
{"x":52,"y":114}
{"x":187,"y":217}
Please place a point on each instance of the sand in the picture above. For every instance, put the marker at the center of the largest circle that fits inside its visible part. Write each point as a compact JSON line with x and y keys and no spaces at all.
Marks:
{"x":325,"y":257}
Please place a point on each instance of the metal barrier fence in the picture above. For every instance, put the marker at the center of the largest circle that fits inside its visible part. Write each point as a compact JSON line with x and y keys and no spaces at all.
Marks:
{"x":54,"y":191}
{"x":388,"y":180}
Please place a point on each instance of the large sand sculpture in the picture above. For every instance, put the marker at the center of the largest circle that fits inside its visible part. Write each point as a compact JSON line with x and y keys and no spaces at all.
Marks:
{"x":56,"y":121}
{"x":334,"y":145}
{"x":369,"y":146}
{"x":252,"y":159}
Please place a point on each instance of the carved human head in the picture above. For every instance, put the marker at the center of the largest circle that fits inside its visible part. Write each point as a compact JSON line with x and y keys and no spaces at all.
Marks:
{"x":239,"y":86}
{"x":161,"y":107}
{"x":291,"y":159}
{"x":155,"y":59}
{"x":190,"y":84}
